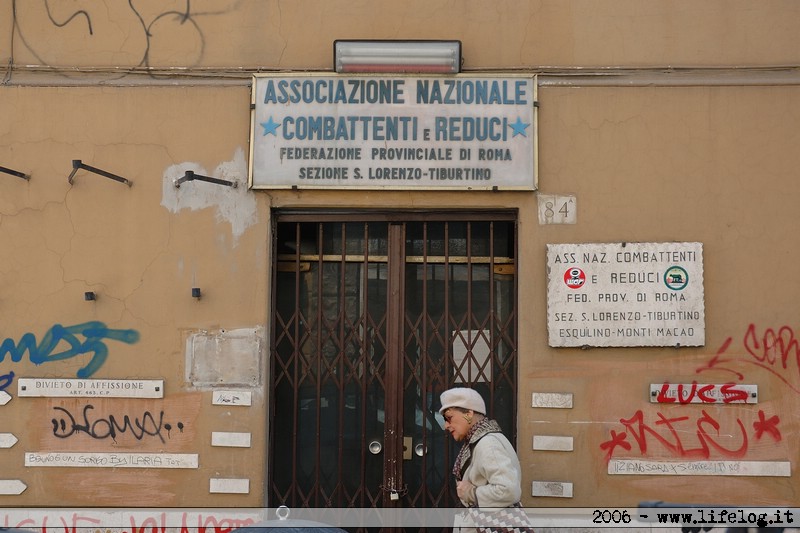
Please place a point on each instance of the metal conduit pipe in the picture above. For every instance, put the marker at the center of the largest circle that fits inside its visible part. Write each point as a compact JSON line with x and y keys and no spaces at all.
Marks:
{"x":548,"y":76}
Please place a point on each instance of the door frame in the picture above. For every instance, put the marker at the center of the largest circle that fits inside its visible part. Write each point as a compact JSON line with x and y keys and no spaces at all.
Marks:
{"x":396,"y":219}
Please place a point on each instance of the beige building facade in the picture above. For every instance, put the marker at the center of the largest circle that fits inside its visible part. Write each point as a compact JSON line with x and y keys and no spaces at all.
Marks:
{"x":169,"y":341}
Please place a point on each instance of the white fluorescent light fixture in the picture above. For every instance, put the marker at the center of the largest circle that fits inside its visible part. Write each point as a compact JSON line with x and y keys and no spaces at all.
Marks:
{"x":435,"y":57}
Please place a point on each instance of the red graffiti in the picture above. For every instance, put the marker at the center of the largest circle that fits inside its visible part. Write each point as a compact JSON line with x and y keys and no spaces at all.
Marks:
{"x":205,"y":523}
{"x":764,"y":425}
{"x":71,"y":522}
{"x":670,"y":433}
{"x":777,"y":351}
{"x":730,"y":394}
{"x":617,"y":439}
{"x":145,"y":521}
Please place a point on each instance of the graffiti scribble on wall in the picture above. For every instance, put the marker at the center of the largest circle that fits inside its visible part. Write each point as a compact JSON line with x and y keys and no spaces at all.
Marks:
{"x":701,"y":393}
{"x":774,"y":350}
{"x":110,"y":427}
{"x":61,"y":343}
{"x":6,"y":380}
{"x":142,"y":521}
{"x":150,"y":24}
{"x":669,"y":434}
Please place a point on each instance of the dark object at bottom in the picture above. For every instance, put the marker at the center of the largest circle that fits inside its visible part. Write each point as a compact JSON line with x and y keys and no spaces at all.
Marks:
{"x":287,"y":526}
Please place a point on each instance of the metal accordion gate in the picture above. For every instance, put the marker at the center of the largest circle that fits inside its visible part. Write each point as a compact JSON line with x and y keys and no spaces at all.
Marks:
{"x":374,"y":315}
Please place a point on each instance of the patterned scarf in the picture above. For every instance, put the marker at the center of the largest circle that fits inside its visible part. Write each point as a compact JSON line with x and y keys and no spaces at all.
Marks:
{"x":476,"y":432}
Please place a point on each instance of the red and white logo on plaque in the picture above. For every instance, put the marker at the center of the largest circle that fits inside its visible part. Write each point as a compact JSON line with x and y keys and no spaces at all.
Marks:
{"x":574,"y":278}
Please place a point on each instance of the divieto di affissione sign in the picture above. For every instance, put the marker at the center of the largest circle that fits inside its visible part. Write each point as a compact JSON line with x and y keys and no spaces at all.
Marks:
{"x":377,"y":132}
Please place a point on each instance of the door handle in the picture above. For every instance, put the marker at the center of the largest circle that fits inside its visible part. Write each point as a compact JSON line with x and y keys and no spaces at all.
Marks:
{"x":409,"y":450}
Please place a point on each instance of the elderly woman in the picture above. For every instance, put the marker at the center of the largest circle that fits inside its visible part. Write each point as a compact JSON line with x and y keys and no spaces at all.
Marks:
{"x":487,"y":469}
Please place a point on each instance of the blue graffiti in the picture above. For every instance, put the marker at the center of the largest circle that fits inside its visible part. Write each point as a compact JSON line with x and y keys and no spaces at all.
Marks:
{"x":5,"y":380}
{"x":93,"y":334}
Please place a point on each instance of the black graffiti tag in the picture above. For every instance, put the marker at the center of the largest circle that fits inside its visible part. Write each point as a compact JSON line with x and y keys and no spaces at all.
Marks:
{"x":103,"y":428}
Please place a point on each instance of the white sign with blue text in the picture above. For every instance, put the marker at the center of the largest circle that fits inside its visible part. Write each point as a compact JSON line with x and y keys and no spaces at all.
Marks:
{"x":393,"y":132}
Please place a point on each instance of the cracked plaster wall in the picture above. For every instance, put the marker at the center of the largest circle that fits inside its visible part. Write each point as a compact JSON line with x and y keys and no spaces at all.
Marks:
{"x":141,"y":249}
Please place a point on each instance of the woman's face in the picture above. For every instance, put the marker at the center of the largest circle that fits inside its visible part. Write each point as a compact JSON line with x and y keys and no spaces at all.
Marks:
{"x":456,"y":423}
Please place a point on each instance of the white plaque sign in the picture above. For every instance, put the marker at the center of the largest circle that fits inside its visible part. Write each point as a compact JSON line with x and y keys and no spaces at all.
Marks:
{"x":552,"y":400}
{"x":229,"y":485}
{"x":683,"y":393}
{"x":226,"y":438}
{"x":376,"y":132}
{"x":551,"y":489}
{"x":112,"y":460}
{"x":557,"y":209}
{"x":232,"y":397}
{"x":12,"y":487}
{"x":7,"y":440}
{"x":107,"y":388}
{"x":700,"y":468}
{"x":625,"y":294}
{"x":553,"y":443}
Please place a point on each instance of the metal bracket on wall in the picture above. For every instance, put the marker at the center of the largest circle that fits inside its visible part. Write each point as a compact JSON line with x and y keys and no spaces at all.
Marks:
{"x":191,"y":176}
{"x":15,"y":173}
{"x":77,"y":164}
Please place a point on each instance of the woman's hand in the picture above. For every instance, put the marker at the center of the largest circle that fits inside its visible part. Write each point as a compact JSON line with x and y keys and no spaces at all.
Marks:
{"x":466,"y":492}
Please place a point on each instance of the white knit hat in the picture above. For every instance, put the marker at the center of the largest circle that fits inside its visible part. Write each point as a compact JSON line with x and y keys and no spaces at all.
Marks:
{"x":464,"y":398}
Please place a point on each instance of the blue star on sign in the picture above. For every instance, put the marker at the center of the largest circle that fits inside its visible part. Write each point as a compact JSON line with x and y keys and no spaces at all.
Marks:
{"x":270,"y":126}
{"x":519,"y":127}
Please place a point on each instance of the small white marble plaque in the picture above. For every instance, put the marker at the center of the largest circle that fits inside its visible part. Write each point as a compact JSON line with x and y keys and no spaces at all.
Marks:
{"x":12,"y":487}
{"x":232,"y":397}
{"x":236,"y":440}
{"x":552,"y":400}
{"x":229,"y":486}
{"x":552,"y":489}
{"x":7,"y":440}
{"x":557,"y":209}
{"x":552,"y":443}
